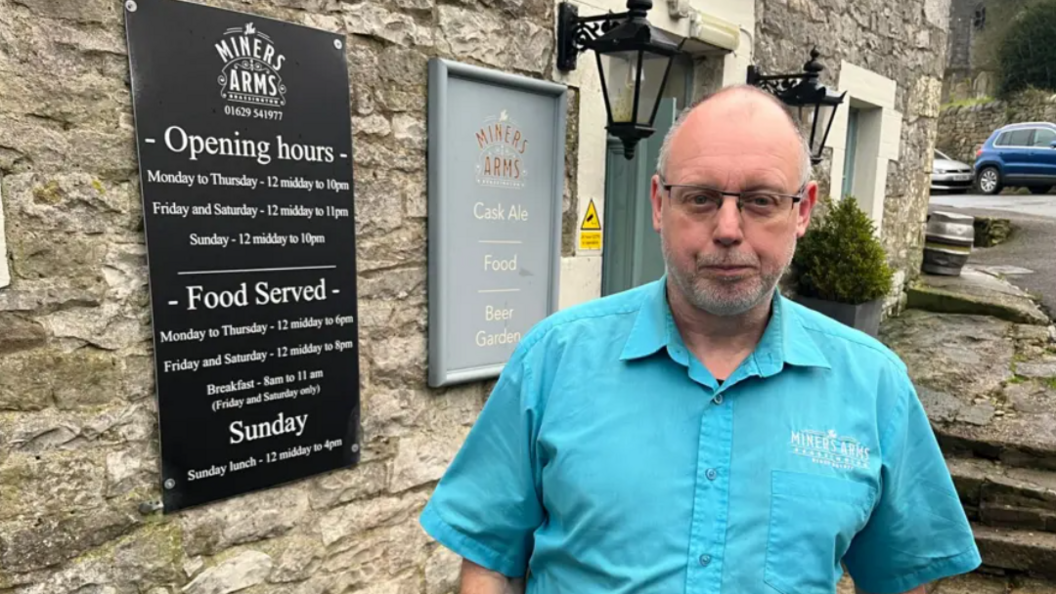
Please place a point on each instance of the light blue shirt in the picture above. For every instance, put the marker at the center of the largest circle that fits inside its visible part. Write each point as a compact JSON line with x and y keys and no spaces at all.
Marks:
{"x":609,"y":460}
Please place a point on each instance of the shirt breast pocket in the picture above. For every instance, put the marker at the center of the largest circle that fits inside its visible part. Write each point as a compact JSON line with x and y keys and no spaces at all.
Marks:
{"x":813,"y":519}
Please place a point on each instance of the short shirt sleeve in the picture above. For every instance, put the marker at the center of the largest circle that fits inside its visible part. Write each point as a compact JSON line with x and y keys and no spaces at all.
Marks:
{"x":487,"y":507}
{"x":918,"y":531}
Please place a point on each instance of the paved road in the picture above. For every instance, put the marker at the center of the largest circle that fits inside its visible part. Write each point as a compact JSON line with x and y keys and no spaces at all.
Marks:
{"x":1032,"y":245}
{"x":1042,"y":206}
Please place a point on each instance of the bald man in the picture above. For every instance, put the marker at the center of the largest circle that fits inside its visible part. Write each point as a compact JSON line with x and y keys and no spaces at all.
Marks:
{"x":701,"y":433}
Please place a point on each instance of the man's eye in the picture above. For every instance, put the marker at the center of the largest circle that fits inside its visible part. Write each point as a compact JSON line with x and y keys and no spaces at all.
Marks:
{"x":762,"y":201}
{"x":700,"y":199}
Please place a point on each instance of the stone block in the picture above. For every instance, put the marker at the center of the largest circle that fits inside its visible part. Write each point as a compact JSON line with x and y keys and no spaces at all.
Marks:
{"x":125,"y":273}
{"x":348,"y":523}
{"x":24,"y":383}
{"x":379,"y":209}
{"x":131,"y":469}
{"x":1017,"y":517}
{"x":296,"y":559}
{"x":244,"y":519}
{"x":468,"y":34}
{"x":925,"y":98}
{"x":409,"y":188}
{"x":368,"y":479}
{"x":326,"y":22}
{"x":399,"y":67}
{"x":374,"y":125}
{"x":82,"y":95}
{"x":409,"y":130}
{"x":86,"y":377}
{"x":42,"y":254}
{"x":374,"y":155}
{"x":381,"y":554}
{"x":19,"y":333}
{"x":373,"y":20}
{"x":991,"y":231}
{"x":406,"y":584}
{"x":33,"y":294}
{"x":400,"y":358}
{"x":111,"y":326}
{"x":402,"y":247}
{"x":51,"y":484}
{"x":1037,"y":369}
{"x":411,"y":99}
{"x":1017,"y":550}
{"x":86,"y":11}
{"x":394,"y":284}
{"x":442,"y":572}
{"x":43,"y":541}
{"x":971,"y":584}
{"x":242,"y":571}
{"x":423,"y":457}
{"x":52,"y":429}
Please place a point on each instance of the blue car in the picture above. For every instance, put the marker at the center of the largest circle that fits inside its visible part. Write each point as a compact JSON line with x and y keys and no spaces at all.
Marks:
{"x":1018,"y":156}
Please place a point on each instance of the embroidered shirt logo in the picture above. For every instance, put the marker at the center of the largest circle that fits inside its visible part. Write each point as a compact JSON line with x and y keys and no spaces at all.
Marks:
{"x":830,"y":449}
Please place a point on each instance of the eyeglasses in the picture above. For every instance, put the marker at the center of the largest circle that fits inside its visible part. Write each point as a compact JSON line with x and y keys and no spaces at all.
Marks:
{"x":761,"y":205}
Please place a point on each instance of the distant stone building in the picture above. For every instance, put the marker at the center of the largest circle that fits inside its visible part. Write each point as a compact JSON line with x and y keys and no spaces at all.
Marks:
{"x":78,"y":419}
{"x":976,"y":30}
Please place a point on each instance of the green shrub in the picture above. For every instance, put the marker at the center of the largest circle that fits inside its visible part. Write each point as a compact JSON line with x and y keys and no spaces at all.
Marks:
{"x":841,"y":259}
{"x":1026,"y":53}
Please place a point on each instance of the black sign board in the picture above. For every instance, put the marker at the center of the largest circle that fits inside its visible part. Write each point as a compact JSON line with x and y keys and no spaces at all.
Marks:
{"x":245,"y":146}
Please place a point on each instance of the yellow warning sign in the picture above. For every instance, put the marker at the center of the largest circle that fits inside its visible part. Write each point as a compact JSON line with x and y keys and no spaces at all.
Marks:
{"x":590,"y":240}
{"x":590,"y":229}
{"x":591,"y":222}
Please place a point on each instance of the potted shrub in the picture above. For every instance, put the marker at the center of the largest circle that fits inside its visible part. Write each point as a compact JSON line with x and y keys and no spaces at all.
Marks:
{"x":841,"y":268}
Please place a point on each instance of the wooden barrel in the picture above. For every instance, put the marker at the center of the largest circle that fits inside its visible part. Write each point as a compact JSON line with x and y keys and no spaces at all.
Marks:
{"x":948,"y":241}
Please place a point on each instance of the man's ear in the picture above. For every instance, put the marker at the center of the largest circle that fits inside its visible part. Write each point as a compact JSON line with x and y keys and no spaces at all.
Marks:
{"x":806,"y":208}
{"x":655,"y":195}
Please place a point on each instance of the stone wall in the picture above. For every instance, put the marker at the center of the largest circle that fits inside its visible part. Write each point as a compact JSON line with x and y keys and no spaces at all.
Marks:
{"x":903,"y":41}
{"x":78,"y":430}
{"x":963,"y":129}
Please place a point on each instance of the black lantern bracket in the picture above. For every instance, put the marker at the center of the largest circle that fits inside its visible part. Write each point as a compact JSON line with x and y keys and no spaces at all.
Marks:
{"x":575,"y":33}
{"x":801,"y":89}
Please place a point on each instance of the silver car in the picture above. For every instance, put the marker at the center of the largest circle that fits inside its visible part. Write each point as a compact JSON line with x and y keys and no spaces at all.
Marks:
{"x":949,"y":175}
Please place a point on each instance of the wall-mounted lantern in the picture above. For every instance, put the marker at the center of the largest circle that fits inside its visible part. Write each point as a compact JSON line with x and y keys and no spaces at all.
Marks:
{"x":817,"y":104}
{"x":634,"y":59}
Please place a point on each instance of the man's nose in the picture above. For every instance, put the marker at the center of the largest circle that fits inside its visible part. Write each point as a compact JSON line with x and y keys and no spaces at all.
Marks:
{"x":728,"y":222}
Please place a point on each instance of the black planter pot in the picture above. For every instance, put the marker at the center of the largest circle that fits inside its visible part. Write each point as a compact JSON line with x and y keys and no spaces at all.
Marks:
{"x":864,"y":317}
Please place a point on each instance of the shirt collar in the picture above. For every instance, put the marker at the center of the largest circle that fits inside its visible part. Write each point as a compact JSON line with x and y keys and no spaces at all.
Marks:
{"x":785,"y":340}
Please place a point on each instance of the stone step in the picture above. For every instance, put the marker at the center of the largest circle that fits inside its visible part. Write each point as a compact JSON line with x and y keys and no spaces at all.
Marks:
{"x":1015,"y":426}
{"x":982,"y":583}
{"x":988,"y":385}
{"x":1015,"y":550}
{"x":994,"y":494}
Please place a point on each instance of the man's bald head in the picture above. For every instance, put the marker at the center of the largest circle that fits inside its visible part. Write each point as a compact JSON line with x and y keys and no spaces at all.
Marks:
{"x":747,"y":105}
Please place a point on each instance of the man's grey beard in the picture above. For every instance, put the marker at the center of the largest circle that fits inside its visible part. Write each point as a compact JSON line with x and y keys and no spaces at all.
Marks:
{"x":738,"y":296}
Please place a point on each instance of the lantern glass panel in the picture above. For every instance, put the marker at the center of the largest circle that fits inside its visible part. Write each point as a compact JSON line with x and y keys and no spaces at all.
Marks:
{"x":621,"y":75}
{"x":619,"y":71}
{"x":820,"y":126}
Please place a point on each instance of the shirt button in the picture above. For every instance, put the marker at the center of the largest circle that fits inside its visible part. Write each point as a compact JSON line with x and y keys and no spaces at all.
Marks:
{"x":705,"y":559}
{"x":711,"y":474}
{"x":717,"y":399}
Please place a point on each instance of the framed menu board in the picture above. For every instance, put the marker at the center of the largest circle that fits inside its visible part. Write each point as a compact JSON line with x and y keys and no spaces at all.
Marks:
{"x":496,"y":178}
{"x":245,"y":142}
